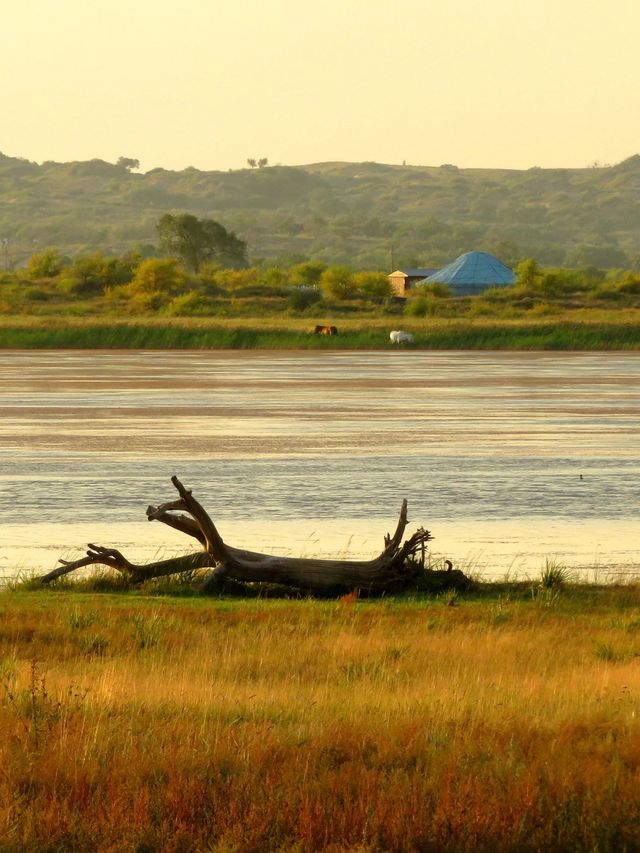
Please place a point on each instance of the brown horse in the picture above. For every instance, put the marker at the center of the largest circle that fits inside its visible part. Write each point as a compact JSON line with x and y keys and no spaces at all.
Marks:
{"x":325,"y":330}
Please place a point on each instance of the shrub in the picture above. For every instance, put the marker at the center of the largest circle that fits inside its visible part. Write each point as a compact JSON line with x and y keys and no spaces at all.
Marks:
{"x":336,"y":283}
{"x":47,"y":264}
{"x":190,"y":304}
{"x":527,"y":272}
{"x":233,"y":279}
{"x":261,"y":290}
{"x":498,"y":294}
{"x":420,"y":306}
{"x":274,"y":278}
{"x":551,"y":283}
{"x":606,"y":291}
{"x":210,"y":288}
{"x":92,"y":273}
{"x":116,"y":293}
{"x":154,"y":275}
{"x":36,"y":294}
{"x":630,"y":284}
{"x":302,"y":298}
{"x":306,"y":273}
{"x":143,"y":302}
{"x":436,"y":288}
{"x":372,"y":284}
{"x":70,"y":286}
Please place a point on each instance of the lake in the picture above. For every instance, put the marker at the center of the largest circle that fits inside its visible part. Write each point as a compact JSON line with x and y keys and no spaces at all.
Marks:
{"x":311,"y":453}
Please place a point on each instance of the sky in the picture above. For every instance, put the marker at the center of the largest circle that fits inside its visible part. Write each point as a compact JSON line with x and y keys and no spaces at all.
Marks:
{"x":204,"y":83}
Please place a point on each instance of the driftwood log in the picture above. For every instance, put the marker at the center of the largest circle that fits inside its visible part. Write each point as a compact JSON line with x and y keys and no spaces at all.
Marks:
{"x":399,"y":564}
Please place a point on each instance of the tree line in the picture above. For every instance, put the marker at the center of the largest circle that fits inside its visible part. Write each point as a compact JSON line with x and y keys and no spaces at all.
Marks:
{"x":202,"y":268}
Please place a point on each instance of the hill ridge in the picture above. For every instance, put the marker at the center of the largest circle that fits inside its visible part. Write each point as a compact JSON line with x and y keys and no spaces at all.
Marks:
{"x":338,"y":211}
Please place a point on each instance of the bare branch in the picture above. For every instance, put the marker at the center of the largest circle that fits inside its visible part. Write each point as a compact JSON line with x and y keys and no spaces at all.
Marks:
{"x":171,"y":505}
{"x":182,"y":523}
{"x":96,"y":554}
{"x":213,"y":541}
{"x":392,"y":543}
{"x":137,"y":573}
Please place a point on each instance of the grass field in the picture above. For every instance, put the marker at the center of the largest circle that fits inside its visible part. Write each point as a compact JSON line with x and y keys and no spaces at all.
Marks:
{"x":602,"y":330}
{"x":509,"y":721}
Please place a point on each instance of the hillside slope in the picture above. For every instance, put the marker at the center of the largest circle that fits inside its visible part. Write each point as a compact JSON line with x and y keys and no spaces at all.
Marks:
{"x":368,"y":214}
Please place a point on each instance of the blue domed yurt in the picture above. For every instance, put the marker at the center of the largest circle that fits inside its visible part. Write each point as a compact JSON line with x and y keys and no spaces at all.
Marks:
{"x":472,"y":273}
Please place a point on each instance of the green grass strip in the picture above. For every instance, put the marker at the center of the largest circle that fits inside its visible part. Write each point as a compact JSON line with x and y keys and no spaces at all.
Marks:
{"x":461,"y":336}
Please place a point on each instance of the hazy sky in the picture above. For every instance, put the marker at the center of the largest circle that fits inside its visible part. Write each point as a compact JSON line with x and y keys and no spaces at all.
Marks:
{"x":208,"y":83}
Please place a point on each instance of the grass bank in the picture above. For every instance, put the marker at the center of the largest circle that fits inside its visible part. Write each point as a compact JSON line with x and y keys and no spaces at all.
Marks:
{"x":296,"y":334}
{"x":510,"y":721}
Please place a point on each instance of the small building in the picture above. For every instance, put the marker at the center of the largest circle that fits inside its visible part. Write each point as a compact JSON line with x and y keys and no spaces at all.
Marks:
{"x":403,"y":280}
{"x":472,"y":273}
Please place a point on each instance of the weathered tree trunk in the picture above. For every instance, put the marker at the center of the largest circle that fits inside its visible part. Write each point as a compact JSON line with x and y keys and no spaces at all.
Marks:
{"x":398,"y":565}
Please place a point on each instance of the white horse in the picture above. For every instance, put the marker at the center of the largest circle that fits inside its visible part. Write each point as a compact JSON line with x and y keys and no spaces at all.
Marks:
{"x":401,"y":337}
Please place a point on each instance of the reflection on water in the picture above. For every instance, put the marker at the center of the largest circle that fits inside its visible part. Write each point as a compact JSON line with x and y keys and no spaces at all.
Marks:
{"x":312,"y":453}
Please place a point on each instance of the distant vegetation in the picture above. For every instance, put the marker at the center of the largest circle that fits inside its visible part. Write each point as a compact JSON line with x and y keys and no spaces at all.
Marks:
{"x":102,"y":301}
{"x":195,"y":283}
{"x":201,"y":270}
{"x":366,"y":215}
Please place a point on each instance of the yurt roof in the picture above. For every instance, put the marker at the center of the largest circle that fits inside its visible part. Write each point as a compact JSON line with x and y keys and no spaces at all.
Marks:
{"x":473,"y":268}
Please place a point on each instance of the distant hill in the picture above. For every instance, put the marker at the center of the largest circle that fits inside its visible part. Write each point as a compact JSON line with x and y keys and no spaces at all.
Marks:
{"x":367,"y":214}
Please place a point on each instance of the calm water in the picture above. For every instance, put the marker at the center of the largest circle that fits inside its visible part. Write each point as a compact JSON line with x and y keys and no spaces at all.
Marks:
{"x":310,"y":453}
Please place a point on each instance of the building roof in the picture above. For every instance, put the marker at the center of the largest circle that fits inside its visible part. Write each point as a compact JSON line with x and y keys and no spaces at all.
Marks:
{"x":473,"y":268}
{"x":415,"y":273}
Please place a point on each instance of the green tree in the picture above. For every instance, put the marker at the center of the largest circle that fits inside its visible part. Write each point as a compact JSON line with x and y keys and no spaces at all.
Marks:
{"x":306,"y":273}
{"x":301,"y":299}
{"x":527,"y":272}
{"x":336,"y":283}
{"x":92,"y":273}
{"x":128,"y":163}
{"x":274,"y":277}
{"x":158,"y":275}
{"x":198,"y":241}
{"x":89,"y":270}
{"x":234,"y":279}
{"x":47,"y":264}
{"x":372,"y":284}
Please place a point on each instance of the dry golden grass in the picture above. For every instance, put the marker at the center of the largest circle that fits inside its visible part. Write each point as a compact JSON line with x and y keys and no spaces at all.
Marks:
{"x":358,"y":322}
{"x":502,"y":723}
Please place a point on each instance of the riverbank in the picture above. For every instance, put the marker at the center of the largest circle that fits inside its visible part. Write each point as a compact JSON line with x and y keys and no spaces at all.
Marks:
{"x":507,"y":721}
{"x":615,"y":332}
